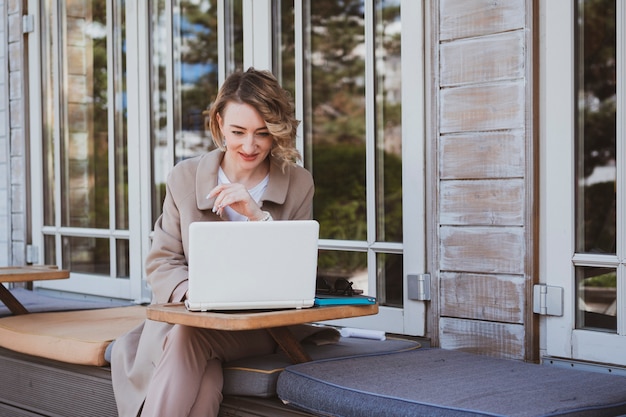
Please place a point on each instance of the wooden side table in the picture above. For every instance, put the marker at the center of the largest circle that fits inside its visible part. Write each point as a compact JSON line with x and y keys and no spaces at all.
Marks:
{"x":25,"y":274}
{"x":275,"y":321}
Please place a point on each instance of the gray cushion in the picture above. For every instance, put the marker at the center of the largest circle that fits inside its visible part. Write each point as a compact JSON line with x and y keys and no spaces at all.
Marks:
{"x":257,"y":376}
{"x":436,"y":382}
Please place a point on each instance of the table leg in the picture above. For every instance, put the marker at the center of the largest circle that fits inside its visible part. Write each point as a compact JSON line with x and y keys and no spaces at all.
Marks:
{"x":289,"y":344}
{"x":11,"y":302}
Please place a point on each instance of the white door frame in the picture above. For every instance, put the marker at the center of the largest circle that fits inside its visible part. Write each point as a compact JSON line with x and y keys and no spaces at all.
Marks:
{"x":559,"y":338}
{"x":411,"y":319}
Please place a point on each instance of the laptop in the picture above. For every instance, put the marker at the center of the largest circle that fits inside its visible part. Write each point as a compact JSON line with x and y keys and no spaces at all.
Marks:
{"x":252,"y":265}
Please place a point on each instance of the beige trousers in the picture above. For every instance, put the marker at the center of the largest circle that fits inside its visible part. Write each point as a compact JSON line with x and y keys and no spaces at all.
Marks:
{"x":188,"y":379}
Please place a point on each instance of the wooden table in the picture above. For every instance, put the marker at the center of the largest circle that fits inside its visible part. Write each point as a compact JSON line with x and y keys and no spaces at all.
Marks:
{"x":275,"y":321}
{"x":25,"y":274}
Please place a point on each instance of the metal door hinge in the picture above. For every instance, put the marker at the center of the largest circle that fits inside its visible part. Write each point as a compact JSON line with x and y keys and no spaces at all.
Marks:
{"x":28,"y":23}
{"x":418,"y":287}
{"x":547,"y":300}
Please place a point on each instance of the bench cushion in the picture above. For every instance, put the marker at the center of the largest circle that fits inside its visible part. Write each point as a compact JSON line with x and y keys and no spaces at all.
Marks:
{"x":448,"y":383}
{"x":78,"y":337}
{"x":257,"y":376}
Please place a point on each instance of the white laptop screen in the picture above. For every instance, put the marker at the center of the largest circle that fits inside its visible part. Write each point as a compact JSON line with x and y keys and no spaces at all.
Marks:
{"x":252,"y":265}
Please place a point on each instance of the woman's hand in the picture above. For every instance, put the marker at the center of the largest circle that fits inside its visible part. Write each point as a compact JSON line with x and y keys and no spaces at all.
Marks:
{"x":238,"y":198}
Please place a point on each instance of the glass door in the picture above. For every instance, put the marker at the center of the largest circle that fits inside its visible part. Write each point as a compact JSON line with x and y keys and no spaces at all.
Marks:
{"x":126,"y":85}
{"x":81,"y":217}
{"x":362,"y":137}
{"x":585,"y":188}
{"x":362,"y":127}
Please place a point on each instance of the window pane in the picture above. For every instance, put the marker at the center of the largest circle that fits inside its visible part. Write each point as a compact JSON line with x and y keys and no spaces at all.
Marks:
{"x":121,"y":112}
{"x":388,"y":122}
{"x":336,"y":105}
{"x":234,"y":36}
{"x":161,"y":158}
{"x":48,"y":81}
{"x":596,"y":303}
{"x":85,"y":151}
{"x":285,"y":45}
{"x":123,"y":258}
{"x":88,"y":255}
{"x":596,"y":131}
{"x":195,"y":74}
{"x":389,"y":276}
{"x":50,"y":254}
{"x":333,"y":265}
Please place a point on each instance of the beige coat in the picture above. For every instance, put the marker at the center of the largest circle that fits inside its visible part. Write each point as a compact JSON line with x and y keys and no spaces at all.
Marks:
{"x":288,"y":196}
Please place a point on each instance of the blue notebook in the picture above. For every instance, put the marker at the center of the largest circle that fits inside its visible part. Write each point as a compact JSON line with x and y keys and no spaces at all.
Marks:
{"x":336,"y":300}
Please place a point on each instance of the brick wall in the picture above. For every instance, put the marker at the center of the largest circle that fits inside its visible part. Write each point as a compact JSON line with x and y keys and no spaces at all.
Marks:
{"x":4,"y":141}
{"x":13,"y":156}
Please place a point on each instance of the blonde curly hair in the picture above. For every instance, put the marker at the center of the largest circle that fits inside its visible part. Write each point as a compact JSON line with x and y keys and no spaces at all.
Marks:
{"x":261,"y":90}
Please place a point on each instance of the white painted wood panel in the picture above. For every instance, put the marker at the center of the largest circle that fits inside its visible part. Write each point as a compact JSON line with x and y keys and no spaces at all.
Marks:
{"x":482,"y":202}
{"x":501,"y":340}
{"x":484,"y":59}
{"x":483,"y":297}
{"x":483,"y":107}
{"x":482,"y":249}
{"x":482,"y":155}
{"x":465,"y":18}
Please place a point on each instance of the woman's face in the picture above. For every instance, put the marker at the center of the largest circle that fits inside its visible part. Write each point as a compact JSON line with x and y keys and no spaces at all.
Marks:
{"x":247,"y":140}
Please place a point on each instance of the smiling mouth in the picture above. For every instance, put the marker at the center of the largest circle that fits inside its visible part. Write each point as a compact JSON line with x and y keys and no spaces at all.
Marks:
{"x":248,"y":157}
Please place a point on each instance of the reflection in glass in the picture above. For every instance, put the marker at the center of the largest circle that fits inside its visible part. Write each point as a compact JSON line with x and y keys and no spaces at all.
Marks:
{"x":50,"y":254}
{"x":85,"y":89}
{"x":122,"y":258}
{"x":596,"y":301}
{"x":195,"y":70}
{"x":388,"y":123}
{"x":85,"y":149}
{"x":233,"y":32}
{"x":47,"y":77}
{"x":390,"y":279}
{"x":336,"y":105}
{"x":596,"y":131}
{"x":161,"y":158}
{"x":120,"y":115}
{"x":195,"y":74}
{"x":351,"y":266}
{"x":336,"y":139}
{"x":87,"y":255}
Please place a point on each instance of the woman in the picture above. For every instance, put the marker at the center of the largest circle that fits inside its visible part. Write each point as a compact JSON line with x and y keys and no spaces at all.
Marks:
{"x":164,"y":370}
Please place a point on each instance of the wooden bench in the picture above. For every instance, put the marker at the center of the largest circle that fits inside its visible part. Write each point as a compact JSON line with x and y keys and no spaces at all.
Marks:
{"x":33,"y":387}
{"x":54,"y":364}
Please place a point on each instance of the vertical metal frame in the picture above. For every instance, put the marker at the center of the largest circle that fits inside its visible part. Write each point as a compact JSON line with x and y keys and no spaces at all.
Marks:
{"x":370,"y":143}
{"x":60,"y":120}
{"x":111,"y":93}
{"x":414,"y":148}
{"x":139,"y":146}
{"x":620,"y":139}
{"x":299,"y":99}
{"x":36,"y":86}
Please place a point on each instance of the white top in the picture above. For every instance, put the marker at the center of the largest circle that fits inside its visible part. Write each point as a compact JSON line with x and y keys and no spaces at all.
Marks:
{"x":256,"y":193}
